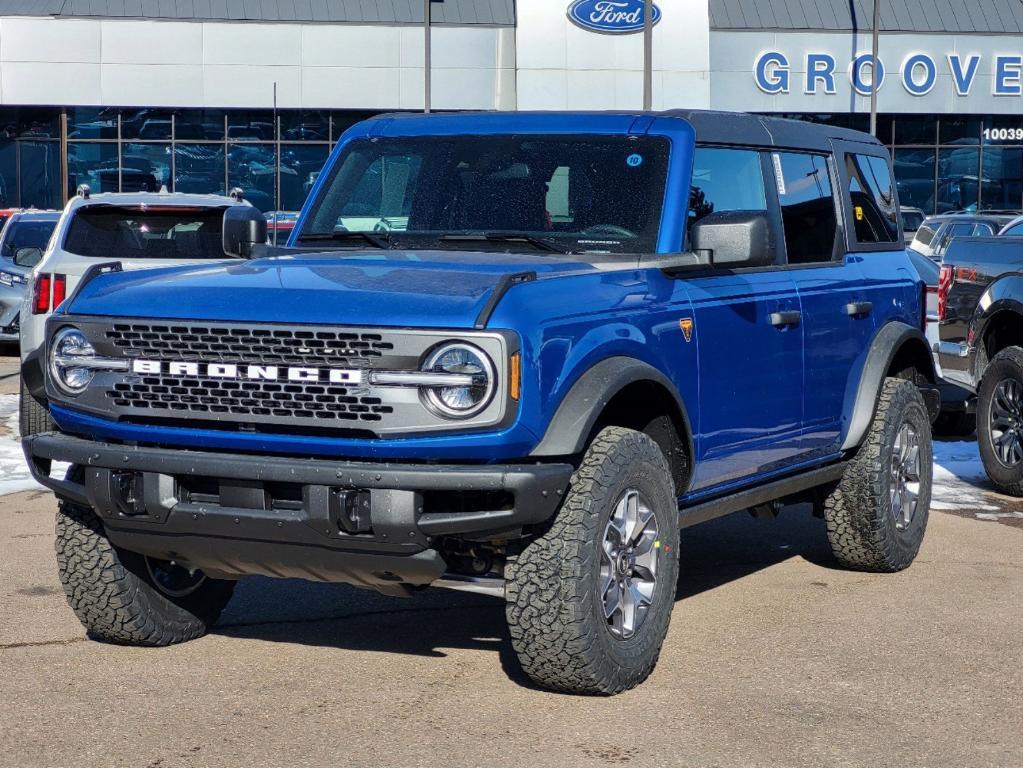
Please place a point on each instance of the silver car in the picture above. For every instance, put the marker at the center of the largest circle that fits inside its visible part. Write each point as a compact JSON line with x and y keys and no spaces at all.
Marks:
{"x":22,"y":243}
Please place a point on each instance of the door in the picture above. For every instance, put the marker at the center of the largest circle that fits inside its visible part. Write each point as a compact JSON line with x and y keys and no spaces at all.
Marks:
{"x":749,"y":339}
{"x":836,"y":317}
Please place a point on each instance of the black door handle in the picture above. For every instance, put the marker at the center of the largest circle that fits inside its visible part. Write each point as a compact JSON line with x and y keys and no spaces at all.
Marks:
{"x":858,"y":308}
{"x":781,"y":319}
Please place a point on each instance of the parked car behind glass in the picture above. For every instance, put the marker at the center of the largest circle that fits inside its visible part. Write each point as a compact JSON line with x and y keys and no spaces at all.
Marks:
{"x":936,"y":232}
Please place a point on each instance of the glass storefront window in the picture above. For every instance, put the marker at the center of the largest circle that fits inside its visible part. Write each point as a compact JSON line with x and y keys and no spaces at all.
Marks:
{"x":300,"y":165}
{"x":250,"y":125}
{"x":145,"y":167}
{"x":915,"y":129}
{"x":40,"y":184}
{"x":253,"y":168}
{"x":92,"y":123}
{"x":8,"y":174}
{"x":342,"y":121}
{"x":960,"y":130}
{"x":31,"y":122}
{"x":1001,"y":183}
{"x":146,"y":124}
{"x":199,"y":125}
{"x":95,"y":164}
{"x":914,"y":177}
{"x":958,"y":180}
{"x":305,"y":125}
{"x":199,"y":168}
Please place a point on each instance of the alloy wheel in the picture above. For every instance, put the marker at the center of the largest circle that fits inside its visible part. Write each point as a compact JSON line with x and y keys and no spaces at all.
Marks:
{"x":904,"y":476}
{"x":628,"y":565}
{"x":1006,"y":420}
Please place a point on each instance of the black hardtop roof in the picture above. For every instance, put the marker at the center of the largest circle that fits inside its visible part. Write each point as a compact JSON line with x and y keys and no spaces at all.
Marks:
{"x":716,"y":127}
{"x":711,"y":126}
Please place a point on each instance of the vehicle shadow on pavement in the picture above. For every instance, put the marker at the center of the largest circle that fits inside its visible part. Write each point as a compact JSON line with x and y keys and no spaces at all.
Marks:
{"x":339,"y":616}
{"x":733,"y":547}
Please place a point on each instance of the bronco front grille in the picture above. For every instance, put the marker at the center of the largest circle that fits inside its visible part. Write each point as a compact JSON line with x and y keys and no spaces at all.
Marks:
{"x":294,"y":390}
{"x":258,"y":399}
{"x":286,"y":346}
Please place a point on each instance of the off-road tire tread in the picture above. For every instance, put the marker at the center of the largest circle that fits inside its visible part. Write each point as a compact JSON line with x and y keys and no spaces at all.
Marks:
{"x":859,"y":525}
{"x":1008,"y":487}
{"x":114,"y":603}
{"x":552,"y":631}
{"x":33,"y":419}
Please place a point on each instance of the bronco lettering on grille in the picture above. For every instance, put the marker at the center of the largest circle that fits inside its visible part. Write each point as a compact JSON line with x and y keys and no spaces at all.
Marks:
{"x":248,"y":372}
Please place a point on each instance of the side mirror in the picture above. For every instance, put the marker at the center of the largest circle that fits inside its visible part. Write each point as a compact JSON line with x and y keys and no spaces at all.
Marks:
{"x":735,"y":238}
{"x":244,"y":228}
{"x":28,"y":257}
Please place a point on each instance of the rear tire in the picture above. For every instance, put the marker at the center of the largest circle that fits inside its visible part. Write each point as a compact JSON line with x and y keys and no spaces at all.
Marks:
{"x":877,"y":514}
{"x":123,"y":597}
{"x":612,"y":546}
{"x":32,"y":417}
{"x":1000,"y":421}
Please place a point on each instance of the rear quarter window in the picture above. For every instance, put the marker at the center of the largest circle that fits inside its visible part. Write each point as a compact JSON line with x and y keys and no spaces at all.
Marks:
{"x":872,"y":195}
{"x":104,"y":232}
{"x":924,"y":235}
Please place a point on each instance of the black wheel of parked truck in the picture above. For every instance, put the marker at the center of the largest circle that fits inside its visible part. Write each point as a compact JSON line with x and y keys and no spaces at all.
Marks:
{"x":123,"y":597}
{"x":588,"y":602}
{"x":876,"y":515}
{"x":33,"y":418}
{"x":1000,"y":420}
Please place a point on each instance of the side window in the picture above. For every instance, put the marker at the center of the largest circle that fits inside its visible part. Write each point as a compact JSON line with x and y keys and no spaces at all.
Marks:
{"x":872,"y":195}
{"x":725,"y":180}
{"x":1016,"y":230}
{"x":807,"y":206}
{"x":982,"y":230}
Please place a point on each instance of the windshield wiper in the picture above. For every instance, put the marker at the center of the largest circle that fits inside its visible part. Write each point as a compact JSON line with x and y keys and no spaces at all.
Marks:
{"x":376,"y":239}
{"x":540,"y":243}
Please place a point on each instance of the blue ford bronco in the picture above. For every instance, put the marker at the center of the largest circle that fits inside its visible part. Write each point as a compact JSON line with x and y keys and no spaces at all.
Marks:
{"x":515,"y":353}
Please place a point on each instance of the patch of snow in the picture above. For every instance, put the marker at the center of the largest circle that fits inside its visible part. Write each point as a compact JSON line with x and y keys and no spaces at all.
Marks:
{"x":14,"y":474}
{"x":959,"y":478}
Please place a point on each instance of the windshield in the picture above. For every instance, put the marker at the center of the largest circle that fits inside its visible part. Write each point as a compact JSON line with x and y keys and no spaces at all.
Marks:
{"x":163,"y":233}
{"x":584,"y":193}
{"x":26,"y":234}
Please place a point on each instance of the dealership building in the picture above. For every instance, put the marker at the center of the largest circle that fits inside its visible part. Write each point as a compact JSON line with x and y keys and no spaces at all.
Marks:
{"x":206,"y":95}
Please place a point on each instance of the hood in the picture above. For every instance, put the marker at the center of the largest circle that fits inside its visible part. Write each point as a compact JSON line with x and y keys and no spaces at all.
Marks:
{"x":401,"y":288}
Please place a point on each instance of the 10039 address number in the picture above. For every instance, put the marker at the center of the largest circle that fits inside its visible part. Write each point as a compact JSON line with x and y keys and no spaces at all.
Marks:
{"x":1002,"y":134}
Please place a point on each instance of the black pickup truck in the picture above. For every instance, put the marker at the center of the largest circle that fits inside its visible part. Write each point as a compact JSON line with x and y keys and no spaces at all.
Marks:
{"x":980,"y":316}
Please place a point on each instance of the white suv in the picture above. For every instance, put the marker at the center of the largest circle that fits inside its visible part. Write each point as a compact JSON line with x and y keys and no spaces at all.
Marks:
{"x":139,"y":230}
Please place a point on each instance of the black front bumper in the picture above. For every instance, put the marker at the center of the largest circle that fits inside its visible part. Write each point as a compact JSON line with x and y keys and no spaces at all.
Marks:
{"x":231,"y":515}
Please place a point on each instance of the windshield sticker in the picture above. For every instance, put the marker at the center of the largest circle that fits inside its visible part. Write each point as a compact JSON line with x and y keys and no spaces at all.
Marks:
{"x":634,"y":160}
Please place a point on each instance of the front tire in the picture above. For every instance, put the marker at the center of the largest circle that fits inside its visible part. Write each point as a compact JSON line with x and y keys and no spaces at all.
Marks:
{"x":877,"y":514}
{"x":33,"y":418}
{"x":123,"y":597}
{"x":588,"y":603}
{"x":1000,"y":421}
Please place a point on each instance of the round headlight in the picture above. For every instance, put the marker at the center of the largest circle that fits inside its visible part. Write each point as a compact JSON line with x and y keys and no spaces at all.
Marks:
{"x":459,"y":402}
{"x":69,"y":350}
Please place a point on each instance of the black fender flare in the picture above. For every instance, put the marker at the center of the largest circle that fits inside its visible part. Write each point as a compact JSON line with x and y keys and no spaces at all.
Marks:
{"x":887,"y":343}
{"x":1002,"y":295}
{"x":579,"y":410}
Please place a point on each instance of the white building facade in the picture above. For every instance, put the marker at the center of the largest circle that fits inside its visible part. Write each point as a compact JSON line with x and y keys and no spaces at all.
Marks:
{"x":129,"y":94}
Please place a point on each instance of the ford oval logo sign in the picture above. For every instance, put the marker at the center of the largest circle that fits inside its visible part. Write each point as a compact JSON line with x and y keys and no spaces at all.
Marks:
{"x":610,"y":16}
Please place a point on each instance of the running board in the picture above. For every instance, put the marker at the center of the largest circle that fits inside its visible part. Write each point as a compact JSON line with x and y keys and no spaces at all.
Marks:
{"x":751,"y":497}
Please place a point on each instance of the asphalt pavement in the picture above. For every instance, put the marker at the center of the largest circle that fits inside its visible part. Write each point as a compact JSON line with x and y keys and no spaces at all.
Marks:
{"x":775,"y":657}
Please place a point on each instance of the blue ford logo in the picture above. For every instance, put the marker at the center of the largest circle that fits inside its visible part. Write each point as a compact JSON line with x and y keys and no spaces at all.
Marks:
{"x":612,"y":16}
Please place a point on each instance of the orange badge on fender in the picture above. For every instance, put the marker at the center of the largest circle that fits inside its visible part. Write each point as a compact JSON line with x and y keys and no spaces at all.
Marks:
{"x":686,"y":324}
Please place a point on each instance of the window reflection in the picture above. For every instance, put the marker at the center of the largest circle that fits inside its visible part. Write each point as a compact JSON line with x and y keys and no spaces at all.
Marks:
{"x":199,"y":168}
{"x":300,"y":166}
{"x":1002,"y":179}
{"x":914,"y":177}
{"x":146,"y":167}
{"x":95,"y":164}
{"x":253,"y":168}
{"x":958,"y":180}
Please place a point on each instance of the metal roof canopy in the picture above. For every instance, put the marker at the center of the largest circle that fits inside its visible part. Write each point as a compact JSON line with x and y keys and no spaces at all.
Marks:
{"x":456,"y":12}
{"x":926,"y":16}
